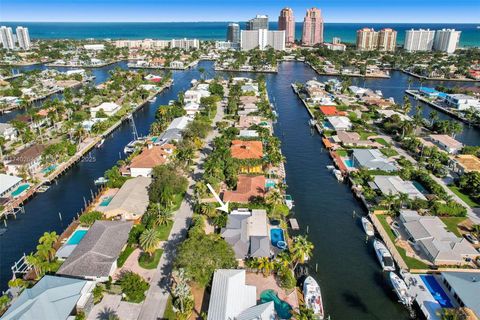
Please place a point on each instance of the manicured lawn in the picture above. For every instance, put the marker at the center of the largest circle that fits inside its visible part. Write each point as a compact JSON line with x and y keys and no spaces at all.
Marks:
{"x":365,"y":134}
{"x":382,"y":142}
{"x":169,"y":314}
{"x":464,"y":197}
{"x":383,"y":220}
{"x":389,"y":152}
{"x":147,"y":262}
{"x":342,"y":152}
{"x":452,"y":224}
{"x":124,"y":255}
{"x":164,"y":231}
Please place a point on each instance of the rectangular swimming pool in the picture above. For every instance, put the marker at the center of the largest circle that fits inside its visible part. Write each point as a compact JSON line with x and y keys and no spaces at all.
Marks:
{"x":270,"y":184}
{"x":49,"y":169}
{"x":20,"y":190}
{"x":106,"y":201}
{"x":276,"y":235}
{"x":436,"y":290}
{"x":77,"y":236}
{"x":349,"y":163}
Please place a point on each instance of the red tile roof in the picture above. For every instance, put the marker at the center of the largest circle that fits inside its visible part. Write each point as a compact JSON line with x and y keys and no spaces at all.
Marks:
{"x":247,"y":188}
{"x":329,"y":110}
{"x":150,"y":157}
{"x":246,"y":149}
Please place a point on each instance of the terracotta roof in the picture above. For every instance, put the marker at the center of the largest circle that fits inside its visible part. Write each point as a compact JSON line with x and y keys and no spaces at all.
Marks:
{"x":247,"y":188}
{"x":329,"y":110}
{"x":150,"y":157}
{"x":246,"y":149}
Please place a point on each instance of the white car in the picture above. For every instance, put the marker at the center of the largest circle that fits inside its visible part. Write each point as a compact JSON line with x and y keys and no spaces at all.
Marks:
{"x":471,"y":238}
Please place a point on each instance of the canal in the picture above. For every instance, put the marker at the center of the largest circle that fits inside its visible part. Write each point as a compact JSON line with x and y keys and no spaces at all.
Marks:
{"x":352,"y":283}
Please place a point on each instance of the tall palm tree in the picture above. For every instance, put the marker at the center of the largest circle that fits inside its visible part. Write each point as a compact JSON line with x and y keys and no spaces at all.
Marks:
{"x":149,"y":241}
{"x":208,"y":210}
{"x":433,"y":116}
{"x":161,"y":216}
{"x":266,"y":265}
{"x":274,"y":197}
{"x":388,"y":200}
{"x":303,"y":313}
{"x":33,"y":261}
{"x":301,"y":250}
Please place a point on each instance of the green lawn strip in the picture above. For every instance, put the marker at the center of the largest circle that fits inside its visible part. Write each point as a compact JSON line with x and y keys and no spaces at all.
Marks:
{"x":164,"y":231}
{"x":342,"y":152}
{"x":464,"y":197}
{"x":389,"y":152}
{"x":124,"y":255}
{"x":452,"y":224}
{"x":382,"y":142}
{"x":169,"y":314}
{"x":364,"y":134}
{"x":147,"y":262}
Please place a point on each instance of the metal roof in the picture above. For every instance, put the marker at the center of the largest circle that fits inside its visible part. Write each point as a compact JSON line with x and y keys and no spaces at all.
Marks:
{"x":467,"y":287}
{"x":7,"y":182}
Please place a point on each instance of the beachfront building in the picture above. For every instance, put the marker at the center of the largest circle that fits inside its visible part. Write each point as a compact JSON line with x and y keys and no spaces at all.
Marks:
{"x":108,"y":108}
{"x":431,"y":237}
{"x":336,"y":45}
{"x":233,"y":33}
{"x":462,"y":101}
{"x":6,"y":37}
{"x":247,"y":233}
{"x":27,"y":160}
{"x":312,"y":27}
{"x":231,"y":298}
{"x":142,"y":44}
{"x":257,"y":23}
{"x":23,"y":38}
{"x":367,"y":39}
{"x":446,"y":143}
{"x":131,"y":201}
{"x":464,"y":287}
{"x":372,"y":159}
{"x":53,"y":298}
{"x":286,"y":22}
{"x":446,"y":40}
{"x":185,"y":44}
{"x":395,"y":185}
{"x":8,"y":184}
{"x":419,"y":40}
{"x":262,"y":39}
{"x":387,"y":40}
{"x":227,"y":45}
{"x":94,"y":47}
{"x":95,"y":257}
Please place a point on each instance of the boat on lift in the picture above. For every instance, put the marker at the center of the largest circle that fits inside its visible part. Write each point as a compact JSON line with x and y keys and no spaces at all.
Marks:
{"x":384,"y":256}
{"x":368,"y":227}
{"x":100,"y":181}
{"x":289,"y":201}
{"x":400,"y":288}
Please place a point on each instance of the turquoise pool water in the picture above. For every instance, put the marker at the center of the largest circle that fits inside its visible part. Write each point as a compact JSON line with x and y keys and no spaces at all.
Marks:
{"x":283,"y":309}
{"x":20,"y":190}
{"x":349,"y":163}
{"x":77,"y":236}
{"x":270,"y":184}
{"x":105,"y":201}
{"x":276,"y":235}
{"x":420,"y":187}
{"x":155,"y":139}
{"x":436,"y":291}
{"x":49,"y":169}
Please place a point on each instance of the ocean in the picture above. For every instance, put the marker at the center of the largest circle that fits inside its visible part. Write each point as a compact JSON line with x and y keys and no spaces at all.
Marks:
{"x":470,"y":36}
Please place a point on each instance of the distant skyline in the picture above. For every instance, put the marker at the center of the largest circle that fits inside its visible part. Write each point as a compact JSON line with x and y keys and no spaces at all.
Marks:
{"x":374,"y":11}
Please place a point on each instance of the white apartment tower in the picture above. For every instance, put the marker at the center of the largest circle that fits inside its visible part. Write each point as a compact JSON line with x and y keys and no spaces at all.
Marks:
{"x":446,"y":40}
{"x":6,"y":36}
{"x":261,"y":39}
{"x":419,"y":40}
{"x":23,"y":38}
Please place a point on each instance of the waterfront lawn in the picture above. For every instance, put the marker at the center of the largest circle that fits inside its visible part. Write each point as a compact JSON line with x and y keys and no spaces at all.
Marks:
{"x":452,"y":224}
{"x":124,"y":255}
{"x":382,"y":142}
{"x":164,"y":230}
{"x":389,"y":152}
{"x":463,"y":196}
{"x":147,"y":262}
{"x":342,"y":152}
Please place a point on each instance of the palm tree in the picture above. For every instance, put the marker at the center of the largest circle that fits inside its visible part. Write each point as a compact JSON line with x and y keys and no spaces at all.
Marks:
{"x":161,"y":216}
{"x":433,"y":116}
{"x":283,"y":260}
{"x":388,"y":200}
{"x":266,"y":265}
{"x":33,"y":261}
{"x":303,"y":313}
{"x":208,"y":210}
{"x":403,"y":199}
{"x":476,"y":229}
{"x":149,"y":241}
{"x":301,"y":250}
{"x":273,"y":198}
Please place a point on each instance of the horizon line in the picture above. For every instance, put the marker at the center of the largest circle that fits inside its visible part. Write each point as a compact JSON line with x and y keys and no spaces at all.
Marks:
{"x":225,"y":21}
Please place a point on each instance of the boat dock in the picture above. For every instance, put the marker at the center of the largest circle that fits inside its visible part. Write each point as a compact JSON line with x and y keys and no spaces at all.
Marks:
{"x":294,"y":224}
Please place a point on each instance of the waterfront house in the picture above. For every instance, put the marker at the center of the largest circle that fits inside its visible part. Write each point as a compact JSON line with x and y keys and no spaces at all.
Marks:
{"x":95,"y":257}
{"x":251,"y":88}
{"x":247,"y":150}
{"x":28,"y":158}
{"x":248,"y":100}
{"x":109,"y":108}
{"x":173,"y":133}
{"x":464,"y":163}
{"x":372,"y":159}
{"x":388,"y":113}
{"x":8,"y":184}
{"x":131,"y":201}
{"x":8,"y":132}
{"x":195,"y":95}
{"x":395,"y":185}
{"x":177,"y":64}
{"x":353,"y":139}
{"x":431,"y":93}
{"x":246,"y":121}
{"x":52,"y":298}
{"x":339,"y":123}
{"x":247,"y":233}
{"x":464,"y":287}
{"x":446,"y":143}
{"x":357,"y":91}
{"x":150,"y":157}
{"x":462,"y":101}
{"x":248,"y":133}
{"x":248,"y":187}
{"x":331,"y":111}
{"x":430,"y":235}
{"x":231,"y":298}
{"x":191,"y":108}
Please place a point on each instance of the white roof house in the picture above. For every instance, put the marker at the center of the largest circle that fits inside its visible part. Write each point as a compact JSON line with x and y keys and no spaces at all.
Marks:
{"x":340,"y":123}
{"x":432,"y":237}
{"x":372,"y":159}
{"x":110,"y":108}
{"x":395,"y":185}
{"x":447,"y":143}
{"x":465,"y":288}
{"x":357,"y":90}
{"x":191,"y":108}
{"x":8,"y":183}
{"x":231,"y":298}
{"x":179,"y":123}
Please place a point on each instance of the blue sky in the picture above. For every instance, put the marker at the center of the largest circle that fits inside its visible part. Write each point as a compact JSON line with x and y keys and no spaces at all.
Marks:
{"x":415,"y":11}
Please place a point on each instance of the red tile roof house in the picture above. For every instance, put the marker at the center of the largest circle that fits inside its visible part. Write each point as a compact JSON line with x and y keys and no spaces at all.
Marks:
{"x":246,"y":149}
{"x":151,"y":156}
{"x":248,"y":187}
{"x":331,"y":111}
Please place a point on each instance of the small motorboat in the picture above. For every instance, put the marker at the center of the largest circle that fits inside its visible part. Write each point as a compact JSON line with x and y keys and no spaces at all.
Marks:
{"x":289,"y":201}
{"x":330,"y":167}
{"x":100,"y":143}
{"x":100,"y":181}
{"x":313,"y":297}
{"x":400,"y":288}
{"x":338,"y":175}
{"x":312,"y":122}
{"x":368,"y":227}
{"x":384,"y":256}
{"x":153,"y":99}
{"x":43,"y":188}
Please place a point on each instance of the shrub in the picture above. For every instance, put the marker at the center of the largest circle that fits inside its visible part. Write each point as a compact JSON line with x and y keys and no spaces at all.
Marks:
{"x":97,"y":294}
{"x":287,"y":279}
{"x":133,"y":286}
{"x":451,"y":209}
{"x":89,"y":218}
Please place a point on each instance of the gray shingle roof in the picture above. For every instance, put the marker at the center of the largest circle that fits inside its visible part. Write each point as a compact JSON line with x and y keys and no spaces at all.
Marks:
{"x":372,"y":159}
{"x":98,"y":250}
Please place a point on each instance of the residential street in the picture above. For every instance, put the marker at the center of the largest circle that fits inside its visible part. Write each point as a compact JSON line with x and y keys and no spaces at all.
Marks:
{"x":154,"y":305}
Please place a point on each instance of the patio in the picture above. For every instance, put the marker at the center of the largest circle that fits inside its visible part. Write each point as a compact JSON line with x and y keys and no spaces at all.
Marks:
{"x":265,"y":283}
{"x":132,"y":265}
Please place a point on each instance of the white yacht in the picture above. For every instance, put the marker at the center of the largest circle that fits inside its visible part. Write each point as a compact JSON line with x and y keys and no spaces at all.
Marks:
{"x":400,"y":289}
{"x":368,"y":227}
{"x":383,"y":256}
{"x":313,"y":297}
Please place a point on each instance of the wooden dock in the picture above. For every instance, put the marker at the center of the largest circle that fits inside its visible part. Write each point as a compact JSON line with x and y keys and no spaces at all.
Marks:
{"x":294,"y":224}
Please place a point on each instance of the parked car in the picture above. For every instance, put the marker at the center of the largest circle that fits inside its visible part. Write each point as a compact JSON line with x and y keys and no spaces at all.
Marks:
{"x":471,"y":238}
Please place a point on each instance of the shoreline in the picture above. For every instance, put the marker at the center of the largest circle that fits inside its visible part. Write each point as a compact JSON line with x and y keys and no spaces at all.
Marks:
{"x":437,"y":79}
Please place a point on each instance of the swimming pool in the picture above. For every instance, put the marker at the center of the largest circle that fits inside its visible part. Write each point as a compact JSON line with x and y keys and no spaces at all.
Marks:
{"x":106,"y":201}
{"x":349,"y":163}
{"x":276,"y":235}
{"x":419,"y":187}
{"x":283,"y":309}
{"x":49,"y":169}
{"x":270,"y":184}
{"x":20,"y":190}
{"x":437,"y":292}
{"x":77,"y":236}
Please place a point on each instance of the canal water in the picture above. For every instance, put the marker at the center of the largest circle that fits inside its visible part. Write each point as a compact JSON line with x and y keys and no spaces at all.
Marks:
{"x":352,"y":283}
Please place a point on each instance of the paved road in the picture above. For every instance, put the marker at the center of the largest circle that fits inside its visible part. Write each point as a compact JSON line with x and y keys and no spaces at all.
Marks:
{"x":154,"y":305}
